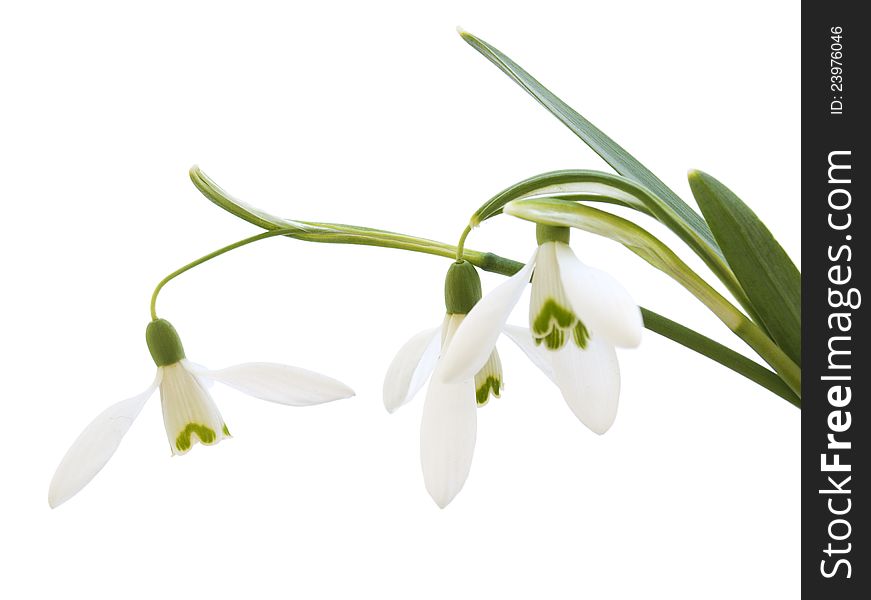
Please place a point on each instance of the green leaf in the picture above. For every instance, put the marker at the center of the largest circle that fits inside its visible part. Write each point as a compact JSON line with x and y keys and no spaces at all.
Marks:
{"x":596,"y":186}
{"x":718,"y":352}
{"x":337,"y":233}
{"x":556,"y":212}
{"x":769,"y":278}
{"x":573,"y":184}
{"x":622,"y":162}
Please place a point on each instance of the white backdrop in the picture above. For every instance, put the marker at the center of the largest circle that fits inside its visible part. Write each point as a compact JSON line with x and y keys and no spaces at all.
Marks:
{"x":378,"y":114}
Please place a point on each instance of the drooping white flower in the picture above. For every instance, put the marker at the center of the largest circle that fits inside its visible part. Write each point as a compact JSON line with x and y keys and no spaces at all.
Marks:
{"x":189,"y":413}
{"x":449,"y":424}
{"x":578,"y":313}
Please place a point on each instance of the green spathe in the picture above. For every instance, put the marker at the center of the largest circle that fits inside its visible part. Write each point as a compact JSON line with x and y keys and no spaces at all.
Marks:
{"x":163,"y":343}
{"x":462,"y":288}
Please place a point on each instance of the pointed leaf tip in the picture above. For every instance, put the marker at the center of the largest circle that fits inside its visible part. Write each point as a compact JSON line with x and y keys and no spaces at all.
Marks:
{"x":765,"y":271}
{"x":610,"y":151}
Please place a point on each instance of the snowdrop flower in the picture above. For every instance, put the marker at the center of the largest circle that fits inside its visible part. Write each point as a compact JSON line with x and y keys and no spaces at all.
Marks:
{"x":449,"y":424}
{"x":189,"y":413}
{"x":578,"y":313}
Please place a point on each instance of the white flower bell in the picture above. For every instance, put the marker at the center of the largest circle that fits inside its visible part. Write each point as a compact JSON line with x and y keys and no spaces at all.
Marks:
{"x":189,"y":413}
{"x":578,"y":313}
{"x":449,"y":424}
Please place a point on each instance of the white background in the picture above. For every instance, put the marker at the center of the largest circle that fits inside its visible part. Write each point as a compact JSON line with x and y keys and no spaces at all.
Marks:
{"x":378,"y":114}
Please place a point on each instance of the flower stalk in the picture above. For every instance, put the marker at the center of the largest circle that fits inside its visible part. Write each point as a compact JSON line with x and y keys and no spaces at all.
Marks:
{"x":487,"y":261}
{"x":208,"y":257}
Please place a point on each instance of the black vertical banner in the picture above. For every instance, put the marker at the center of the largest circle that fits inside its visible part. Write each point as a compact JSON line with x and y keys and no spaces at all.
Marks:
{"x":836,"y":434}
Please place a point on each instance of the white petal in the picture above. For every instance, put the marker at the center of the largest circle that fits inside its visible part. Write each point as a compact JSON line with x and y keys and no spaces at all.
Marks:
{"x":201,"y":372}
{"x":95,"y":446}
{"x":604,"y":306}
{"x":537,"y":354}
{"x":589,"y":380}
{"x":189,"y":413}
{"x":476,"y":337}
{"x":411,"y":367}
{"x":282,"y":383}
{"x":450,"y":325}
{"x":447,"y":437}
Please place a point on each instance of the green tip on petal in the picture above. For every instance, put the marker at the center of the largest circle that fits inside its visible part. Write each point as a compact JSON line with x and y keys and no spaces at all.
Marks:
{"x":488,"y":381}
{"x":491,"y":385}
{"x":581,"y":335}
{"x":549,"y":324}
{"x":462,"y":288}
{"x":554,"y":340}
{"x":163,"y":343}
{"x":205,"y":434}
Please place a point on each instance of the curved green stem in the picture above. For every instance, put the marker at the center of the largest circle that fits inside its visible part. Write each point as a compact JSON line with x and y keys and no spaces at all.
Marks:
{"x":350,"y":234}
{"x":207,"y":257}
{"x":462,"y":241}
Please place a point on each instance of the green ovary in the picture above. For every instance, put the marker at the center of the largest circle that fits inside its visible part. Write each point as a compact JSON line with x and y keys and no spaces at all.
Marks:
{"x":205,"y":434}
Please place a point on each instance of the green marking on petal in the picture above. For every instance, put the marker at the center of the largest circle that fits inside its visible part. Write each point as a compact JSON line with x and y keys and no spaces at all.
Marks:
{"x":491,"y":385}
{"x":488,"y":381}
{"x":554,"y":340}
{"x":205,"y":434}
{"x":551,"y":312}
{"x":581,"y":335}
{"x":225,"y":430}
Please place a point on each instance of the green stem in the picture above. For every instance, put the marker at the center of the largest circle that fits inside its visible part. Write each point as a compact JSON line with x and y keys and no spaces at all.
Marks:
{"x":462,"y":242}
{"x":207,"y":257}
{"x":349,"y":234}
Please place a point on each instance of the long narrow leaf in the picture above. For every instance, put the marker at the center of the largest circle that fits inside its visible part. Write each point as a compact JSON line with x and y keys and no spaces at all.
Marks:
{"x":767,"y":274}
{"x":336,"y":233}
{"x":622,"y":162}
{"x":595,"y":186}
{"x":718,"y":352}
